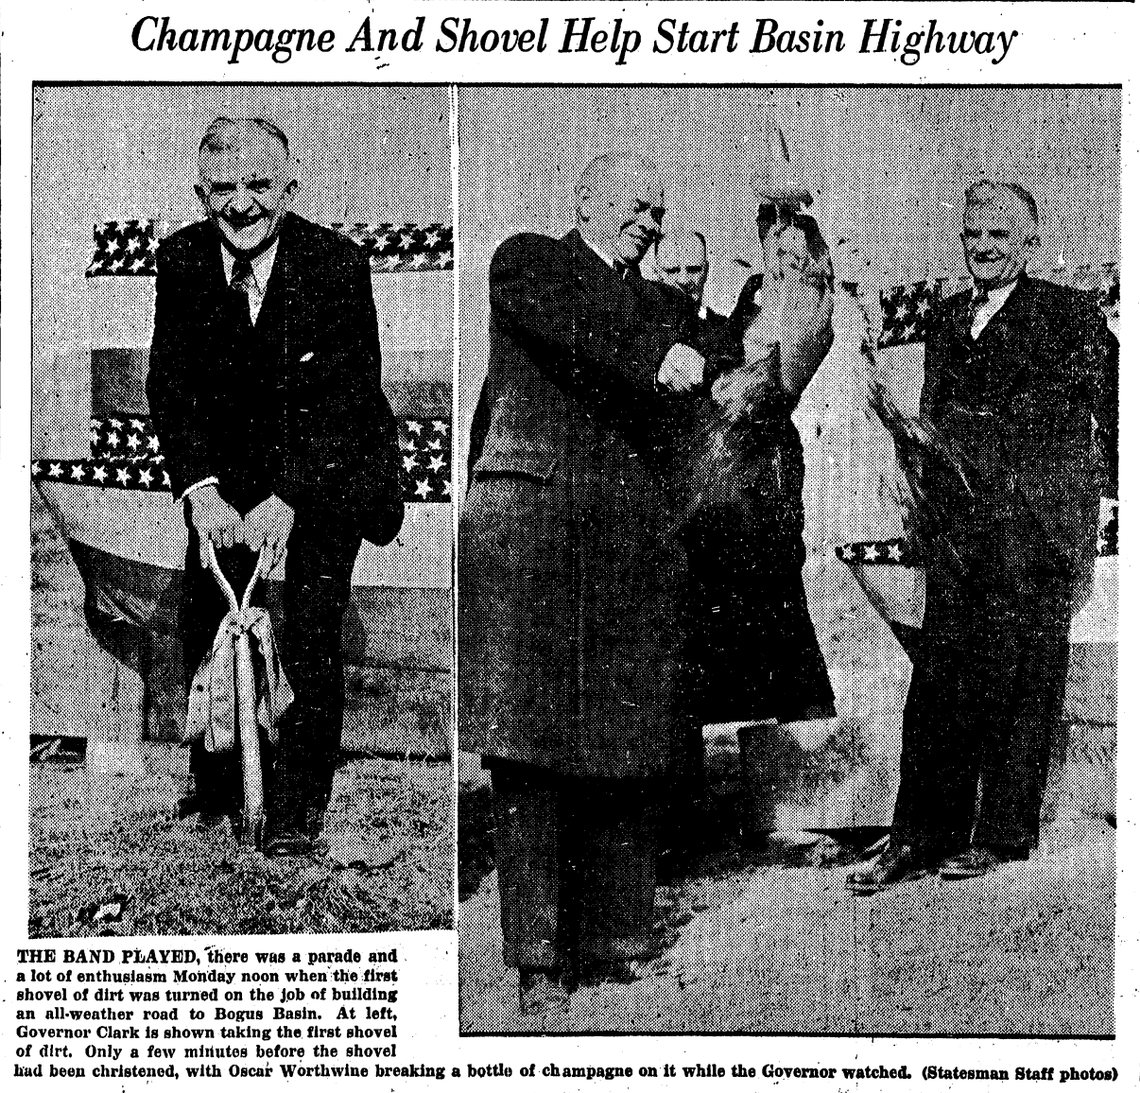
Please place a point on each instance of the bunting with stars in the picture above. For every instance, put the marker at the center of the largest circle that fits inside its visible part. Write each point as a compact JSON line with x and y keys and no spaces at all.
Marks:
{"x":127,"y":248}
{"x":906,"y":309}
{"x":99,"y":467}
{"x":883,"y":561}
{"x":425,"y":451}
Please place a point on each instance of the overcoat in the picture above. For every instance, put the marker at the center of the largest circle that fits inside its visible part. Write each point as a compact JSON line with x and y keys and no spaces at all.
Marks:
{"x":570,"y":565}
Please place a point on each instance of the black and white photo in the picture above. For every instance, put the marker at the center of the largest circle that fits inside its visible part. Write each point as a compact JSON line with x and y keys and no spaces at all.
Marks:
{"x":787,"y":559}
{"x":242,"y":360}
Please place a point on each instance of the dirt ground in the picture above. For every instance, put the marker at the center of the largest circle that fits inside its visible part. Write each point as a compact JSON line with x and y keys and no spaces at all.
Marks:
{"x":108,"y":856}
{"x":761,"y":940}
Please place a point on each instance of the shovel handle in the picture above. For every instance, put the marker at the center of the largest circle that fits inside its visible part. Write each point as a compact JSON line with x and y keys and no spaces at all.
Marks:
{"x":249,"y":734}
{"x":225,"y":586}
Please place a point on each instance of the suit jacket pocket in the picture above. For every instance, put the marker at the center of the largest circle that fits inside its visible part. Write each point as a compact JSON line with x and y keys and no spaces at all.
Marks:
{"x":513,"y":462}
{"x":513,"y":529}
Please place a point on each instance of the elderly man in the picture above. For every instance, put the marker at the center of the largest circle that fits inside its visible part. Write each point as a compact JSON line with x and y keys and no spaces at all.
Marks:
{"x":1016,"y":372}
{"x":265,"y":389}
{"x":683,"y":262}
{"x":569,"y":578}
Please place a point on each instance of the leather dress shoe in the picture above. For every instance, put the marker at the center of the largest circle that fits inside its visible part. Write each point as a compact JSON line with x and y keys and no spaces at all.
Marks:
{"x":979,"y":860}
{"x":541,"y":991}
{"x":899,"y":862}
{"x":674,"y":865}
{"x":212,"y":811}
{"x":590,"y":972}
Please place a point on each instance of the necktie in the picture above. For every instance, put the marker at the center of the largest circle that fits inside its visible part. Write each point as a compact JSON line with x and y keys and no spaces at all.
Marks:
{"x":239,"y":285}
{"x":977,"y":304}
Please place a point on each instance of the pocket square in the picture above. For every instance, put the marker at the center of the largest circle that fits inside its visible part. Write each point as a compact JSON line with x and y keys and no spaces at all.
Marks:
{"x":307,"y":357}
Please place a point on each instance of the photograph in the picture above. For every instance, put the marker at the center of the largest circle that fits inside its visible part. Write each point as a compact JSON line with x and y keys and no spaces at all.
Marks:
{"x":241,"y":519}
{"x":786,"y":467}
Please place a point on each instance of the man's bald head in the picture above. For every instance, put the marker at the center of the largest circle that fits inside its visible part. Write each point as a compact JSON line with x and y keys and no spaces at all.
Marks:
{"x":620,"y":203}
{"x":683,"y":261}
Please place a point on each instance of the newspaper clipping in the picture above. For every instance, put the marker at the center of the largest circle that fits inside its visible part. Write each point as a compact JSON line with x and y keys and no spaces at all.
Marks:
{"x":568,"y":541}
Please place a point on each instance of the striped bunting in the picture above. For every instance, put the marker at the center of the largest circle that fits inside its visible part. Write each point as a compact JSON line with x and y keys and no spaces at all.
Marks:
{"x":127,"y":248}
{"x":125,"y":455}
{"x":907,"y":308}
{"x":902,"y":552}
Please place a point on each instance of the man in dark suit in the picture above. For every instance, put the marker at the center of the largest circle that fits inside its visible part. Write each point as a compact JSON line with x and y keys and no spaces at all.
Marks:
{"x":1017,"y":371}
{"x":683,"y":262}
{"x":569,"y":574}
{"x":265,"y":389}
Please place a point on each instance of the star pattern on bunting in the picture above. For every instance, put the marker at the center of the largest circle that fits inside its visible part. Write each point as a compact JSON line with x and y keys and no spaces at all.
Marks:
{"x":880,"y":552}
{"x":906,"y":312}
{"x":123,"y":438}
{"x":147,"y":474}
{"x":425,"y":459}
{"x":127,"y":248}
{"x":901,"y":552}
{"x":125,"y":454}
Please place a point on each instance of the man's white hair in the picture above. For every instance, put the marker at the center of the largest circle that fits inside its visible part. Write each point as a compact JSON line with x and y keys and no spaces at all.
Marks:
{"x":223,"y":133}
{"x":607,"y":166}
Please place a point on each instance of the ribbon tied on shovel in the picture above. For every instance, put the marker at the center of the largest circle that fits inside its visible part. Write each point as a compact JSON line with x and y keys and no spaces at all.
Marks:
{"x":236,"y":695}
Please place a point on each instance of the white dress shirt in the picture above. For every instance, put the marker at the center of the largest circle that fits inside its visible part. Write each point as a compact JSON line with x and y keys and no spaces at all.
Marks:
{"x":994,"y":303}
{"x":259,"y":282}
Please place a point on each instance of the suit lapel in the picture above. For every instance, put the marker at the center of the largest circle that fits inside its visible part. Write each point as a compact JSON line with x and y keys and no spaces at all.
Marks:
{"x":213,"y":304}
{"x":273,"y":328}
{"x":211,"y":272}
{"x":1001,"y":342}
{"x":953,"y":351}
{"x":282,"y":282}
{"x":591,"y":266}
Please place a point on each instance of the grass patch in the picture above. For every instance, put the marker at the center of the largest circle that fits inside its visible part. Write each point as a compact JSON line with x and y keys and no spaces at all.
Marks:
{"x":114,"y":842}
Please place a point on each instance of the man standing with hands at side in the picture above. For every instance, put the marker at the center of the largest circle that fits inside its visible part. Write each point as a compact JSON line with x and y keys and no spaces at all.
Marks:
{"x":570,"y":574}
{"x":264,"y":386}
{"x":1017,"y":371}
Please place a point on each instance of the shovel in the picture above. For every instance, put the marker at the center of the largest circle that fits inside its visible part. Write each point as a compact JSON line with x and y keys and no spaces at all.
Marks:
{"x":252,"y":824}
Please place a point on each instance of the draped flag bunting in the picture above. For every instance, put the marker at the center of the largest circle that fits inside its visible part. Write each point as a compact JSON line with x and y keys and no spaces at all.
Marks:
{"x":888,"y":569}
{"x":99,"y":466}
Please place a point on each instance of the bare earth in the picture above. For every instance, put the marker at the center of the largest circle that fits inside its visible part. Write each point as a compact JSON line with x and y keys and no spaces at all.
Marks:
{"x":752,"y":946}
{"x":98,"y":843}
{"x":107,"y":855}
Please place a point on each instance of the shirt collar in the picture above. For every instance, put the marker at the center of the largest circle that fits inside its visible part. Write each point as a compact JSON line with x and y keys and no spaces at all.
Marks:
{"x":996,"y":297}
{"x":262,"y":265}
{"x":608,"y":259}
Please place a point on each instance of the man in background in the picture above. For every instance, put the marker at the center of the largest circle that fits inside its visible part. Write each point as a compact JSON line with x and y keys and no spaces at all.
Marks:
{"x":570,"y":577}
{"x":683,"y":262}
{"x":265,"y":389}
{"x":1017,"y":371}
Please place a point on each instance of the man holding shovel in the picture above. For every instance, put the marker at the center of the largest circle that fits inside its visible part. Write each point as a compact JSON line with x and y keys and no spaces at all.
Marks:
{"x":264,"y":386}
